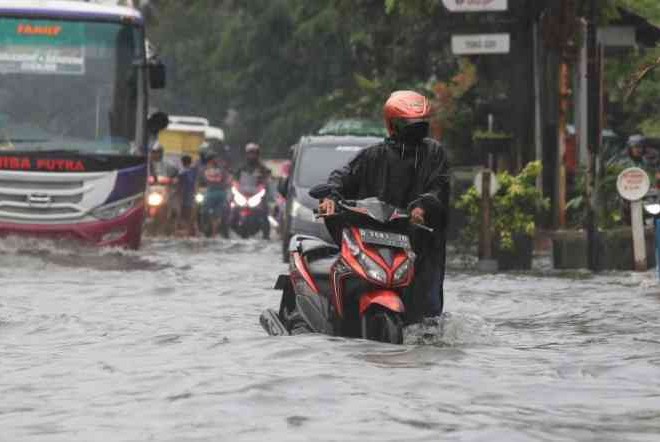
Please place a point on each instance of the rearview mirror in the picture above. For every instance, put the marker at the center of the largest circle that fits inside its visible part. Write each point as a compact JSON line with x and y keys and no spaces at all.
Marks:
{"x":321,"y":191}
{"x":157,"y":75}
{"x":157,"y":122}
{"x":283,"y":187}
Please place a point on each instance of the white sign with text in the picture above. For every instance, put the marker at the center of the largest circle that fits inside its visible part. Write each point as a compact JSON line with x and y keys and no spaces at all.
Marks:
{"x":476,"y":5}
{"x":481,"y":44}
{"x":633,"y":183}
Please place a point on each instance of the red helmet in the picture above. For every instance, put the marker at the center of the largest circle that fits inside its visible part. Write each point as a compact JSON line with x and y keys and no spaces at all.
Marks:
{"x":405,"y":108}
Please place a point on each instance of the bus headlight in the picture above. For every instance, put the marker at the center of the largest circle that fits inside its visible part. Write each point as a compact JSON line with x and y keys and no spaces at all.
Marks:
{"x":114,"y":210}
{"x":199,"y":198}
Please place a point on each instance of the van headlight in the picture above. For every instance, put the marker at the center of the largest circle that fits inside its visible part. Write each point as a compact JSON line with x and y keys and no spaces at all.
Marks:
{"x":301,"y":212}
{"x":115,"y":210}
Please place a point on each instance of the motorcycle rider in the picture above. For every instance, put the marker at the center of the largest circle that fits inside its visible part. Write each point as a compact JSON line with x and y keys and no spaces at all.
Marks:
{"x":258,"y":175}
{"x":636,"y":150}
{"x":216,"y":179}
{"x":159,"y":166}
{"x":186,"y":187}
{"x":408,"y":170}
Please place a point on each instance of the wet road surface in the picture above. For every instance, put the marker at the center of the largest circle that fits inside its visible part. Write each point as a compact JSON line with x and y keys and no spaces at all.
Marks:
{"x":165,"y":345}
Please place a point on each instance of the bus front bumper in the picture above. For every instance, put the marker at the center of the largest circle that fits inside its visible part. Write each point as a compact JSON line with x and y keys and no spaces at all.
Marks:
{"x":124,"y":231}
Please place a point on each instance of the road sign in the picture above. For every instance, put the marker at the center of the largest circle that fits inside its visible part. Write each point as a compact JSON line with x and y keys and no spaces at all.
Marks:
{"x":476,"y":5}
{"x":633,"y":183}
{"x":494,"y":185}
{"x":481,"y":44}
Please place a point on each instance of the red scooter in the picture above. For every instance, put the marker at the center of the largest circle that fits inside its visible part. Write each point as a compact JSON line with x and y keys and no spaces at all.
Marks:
{"x":353,"y":290}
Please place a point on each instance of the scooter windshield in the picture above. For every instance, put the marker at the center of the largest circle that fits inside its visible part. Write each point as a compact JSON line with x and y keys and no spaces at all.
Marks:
{"x":379,"y":210}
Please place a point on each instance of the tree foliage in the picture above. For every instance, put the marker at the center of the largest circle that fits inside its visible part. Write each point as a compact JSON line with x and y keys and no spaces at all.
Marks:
{"x":272,"y":70}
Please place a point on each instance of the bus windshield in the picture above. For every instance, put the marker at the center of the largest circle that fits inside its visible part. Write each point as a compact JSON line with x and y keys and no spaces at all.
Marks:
{"x":70,"y":86}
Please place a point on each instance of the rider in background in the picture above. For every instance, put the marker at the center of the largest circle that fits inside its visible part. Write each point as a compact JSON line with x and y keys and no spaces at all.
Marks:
{"x":159,"y":166}
{"x":217,"y":180}
{"x":186,"y":188}
{"x":256,"y":174}
{"x":407,"y":170}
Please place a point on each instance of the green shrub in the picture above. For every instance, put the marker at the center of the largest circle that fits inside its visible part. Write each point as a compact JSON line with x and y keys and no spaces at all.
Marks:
{"x":515,"y":206}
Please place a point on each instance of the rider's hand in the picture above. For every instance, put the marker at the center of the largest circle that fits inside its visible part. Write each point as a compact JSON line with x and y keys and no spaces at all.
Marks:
{"x":327,"y":207}
{"x":417,"y":215}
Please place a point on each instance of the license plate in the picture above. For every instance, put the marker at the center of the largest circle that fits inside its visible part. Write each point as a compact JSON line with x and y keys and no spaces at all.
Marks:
{"x":386,"y":239}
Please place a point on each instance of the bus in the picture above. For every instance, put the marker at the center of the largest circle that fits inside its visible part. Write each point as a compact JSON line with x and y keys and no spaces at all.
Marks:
{"x":74,"y":84}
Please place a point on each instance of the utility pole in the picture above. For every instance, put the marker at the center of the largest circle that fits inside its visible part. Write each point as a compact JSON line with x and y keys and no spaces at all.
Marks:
{"x":566,"y":24}
{"x":594,"y":83}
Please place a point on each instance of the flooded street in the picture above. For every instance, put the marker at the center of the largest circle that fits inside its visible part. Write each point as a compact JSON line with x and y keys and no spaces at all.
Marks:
{"x":165,"y":345}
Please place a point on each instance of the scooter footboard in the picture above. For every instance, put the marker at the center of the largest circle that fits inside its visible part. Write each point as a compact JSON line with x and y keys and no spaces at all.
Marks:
{"x":389,"y":299}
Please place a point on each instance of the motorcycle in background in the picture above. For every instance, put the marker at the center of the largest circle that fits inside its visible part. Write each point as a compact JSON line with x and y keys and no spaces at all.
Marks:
{"x":248,"y":209}
{"x":160,"y":215}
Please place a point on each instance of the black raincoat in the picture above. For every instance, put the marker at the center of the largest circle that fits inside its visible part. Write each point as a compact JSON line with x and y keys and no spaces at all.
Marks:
{"x":407,"y":177}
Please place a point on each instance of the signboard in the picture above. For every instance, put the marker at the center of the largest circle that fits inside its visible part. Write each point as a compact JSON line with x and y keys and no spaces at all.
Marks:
{"x":494,"y":185}
{"x":41,"y":47}
{"x":633,"y":183}
{"x":481,"y":44}
{"x":476,"y":5}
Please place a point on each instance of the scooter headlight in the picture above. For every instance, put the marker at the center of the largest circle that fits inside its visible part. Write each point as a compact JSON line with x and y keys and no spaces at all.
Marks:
{"x":239,"y":199}
{"x":199,"y":198}
{"x":652,"y":209}
{"x":371,"y":267}
{"x":255,"y":200}
{"x":155,"y":199}
{"x":401,"y":274}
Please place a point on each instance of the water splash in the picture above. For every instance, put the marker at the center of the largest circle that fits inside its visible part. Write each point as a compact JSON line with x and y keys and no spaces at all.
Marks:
{"x":27,"y":251}
{"x":449,"y":330}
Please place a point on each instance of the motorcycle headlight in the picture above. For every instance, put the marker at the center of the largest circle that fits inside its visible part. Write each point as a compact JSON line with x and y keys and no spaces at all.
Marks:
{"x":652,"y":209}
{"x":239,"y":199}
{"x":155,"y":199}
{"x":371,"y":267}
{"x":255,"y":200}
{"x":401,"y":274}
{"x":301,"y":212}
{"x":114,"y":210}
{"x":199,"y":198}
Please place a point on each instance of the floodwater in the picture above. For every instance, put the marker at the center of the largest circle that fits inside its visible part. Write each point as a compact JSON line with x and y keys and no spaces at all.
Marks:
{"x":165,"y":345}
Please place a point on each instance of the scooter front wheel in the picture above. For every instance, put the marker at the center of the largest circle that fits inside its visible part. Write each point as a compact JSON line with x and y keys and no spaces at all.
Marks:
{"x":382,"y":325}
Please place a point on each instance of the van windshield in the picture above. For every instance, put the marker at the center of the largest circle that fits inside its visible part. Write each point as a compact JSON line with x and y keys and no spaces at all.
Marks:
{"x":316,"y":163}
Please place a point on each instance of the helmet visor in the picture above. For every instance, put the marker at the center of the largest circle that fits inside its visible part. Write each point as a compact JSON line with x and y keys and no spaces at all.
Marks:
{"x":412,"y":131}
{"x":400,"y":124}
